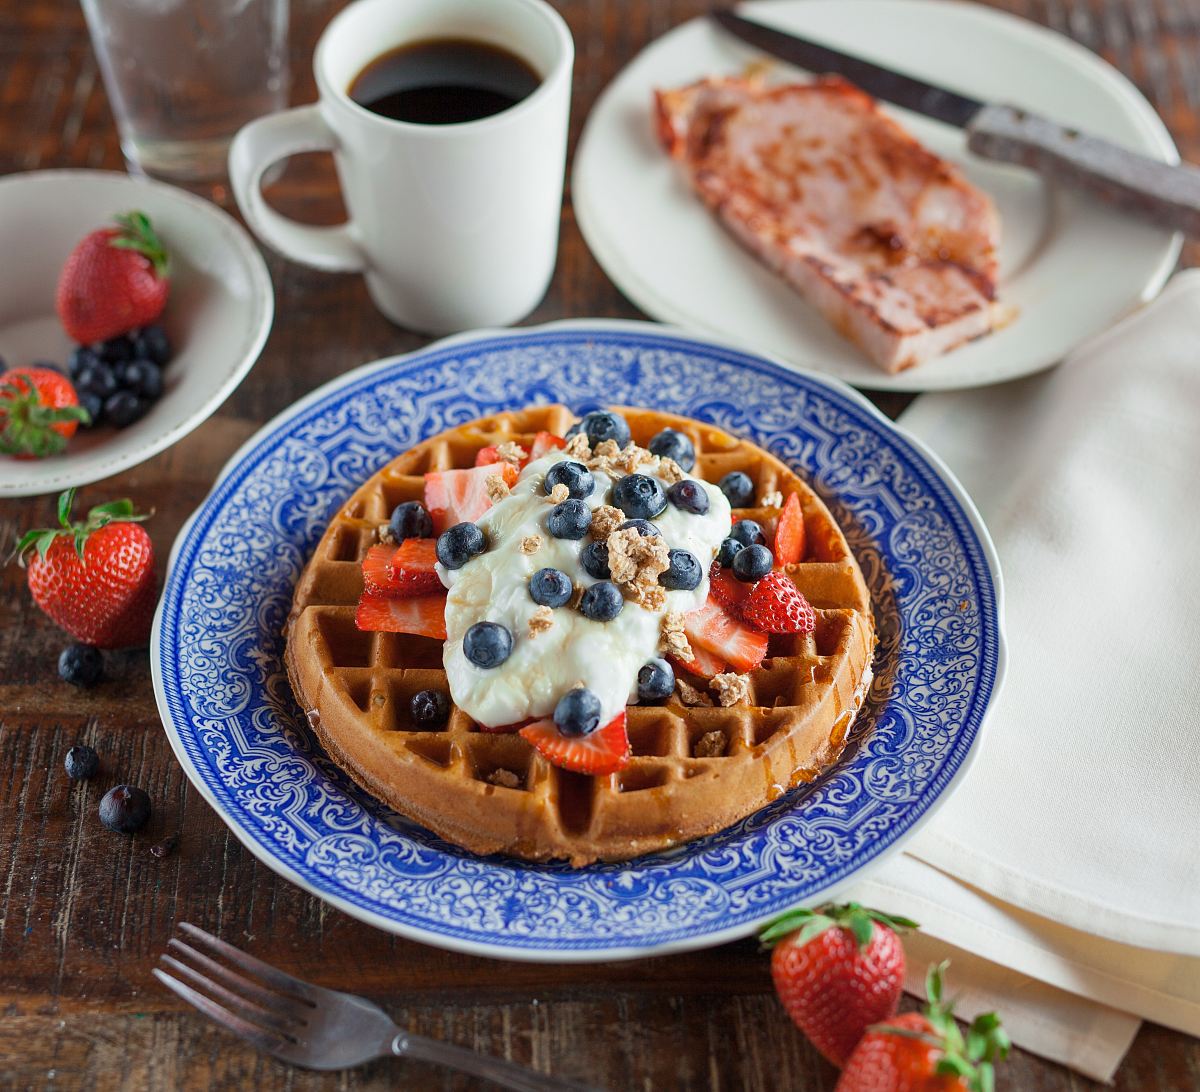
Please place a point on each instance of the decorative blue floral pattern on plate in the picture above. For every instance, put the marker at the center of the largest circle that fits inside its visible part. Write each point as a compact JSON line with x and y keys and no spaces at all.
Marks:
{"x":227,"y":706}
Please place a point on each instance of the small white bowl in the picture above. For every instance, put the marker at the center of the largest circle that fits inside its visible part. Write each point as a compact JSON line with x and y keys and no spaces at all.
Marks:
{"x":218,"y":314}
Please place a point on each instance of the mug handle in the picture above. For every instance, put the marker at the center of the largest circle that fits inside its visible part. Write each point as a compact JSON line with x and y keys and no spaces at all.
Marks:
{"x":257,"y":147}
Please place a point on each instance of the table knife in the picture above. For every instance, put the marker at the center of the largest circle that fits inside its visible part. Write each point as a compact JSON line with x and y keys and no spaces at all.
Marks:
{"x":1165,"y":194}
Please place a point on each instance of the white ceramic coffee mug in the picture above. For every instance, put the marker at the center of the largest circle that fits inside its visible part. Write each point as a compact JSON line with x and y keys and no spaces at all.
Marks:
{"x":453,"y":226}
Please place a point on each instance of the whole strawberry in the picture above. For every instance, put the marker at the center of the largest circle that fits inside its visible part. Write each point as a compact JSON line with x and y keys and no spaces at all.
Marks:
{"x":96,"y":578}
{"x":837,"y":970}
{"x":39,"y":412}
{"x":114,"y":280}
{"x":926,"y":1051}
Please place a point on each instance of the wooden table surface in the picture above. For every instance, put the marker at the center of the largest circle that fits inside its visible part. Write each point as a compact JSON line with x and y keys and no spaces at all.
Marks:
{"x":84,"y":913}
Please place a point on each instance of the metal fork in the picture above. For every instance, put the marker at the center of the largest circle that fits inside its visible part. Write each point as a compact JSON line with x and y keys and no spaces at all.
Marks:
{"x":309,"y":1025}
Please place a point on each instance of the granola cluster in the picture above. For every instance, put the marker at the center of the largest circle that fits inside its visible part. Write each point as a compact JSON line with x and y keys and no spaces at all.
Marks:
{"x":530,"y":544}
{"x":689,"y":695}
{"x":731,"y":688}
{"x":511,"y":452}
{"x":673,"y":640}
{"x":497,"y":488}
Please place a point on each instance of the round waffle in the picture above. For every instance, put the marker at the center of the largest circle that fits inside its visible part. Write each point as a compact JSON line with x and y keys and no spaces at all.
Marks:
{"x":693,"y":770}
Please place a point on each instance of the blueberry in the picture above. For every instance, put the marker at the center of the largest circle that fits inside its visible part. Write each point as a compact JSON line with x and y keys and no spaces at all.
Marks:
{"x":125,"y":809}
{"x":673,"y":444}
{"x":575,"y":476}
{"x":81,"y":357}
{"x":411,"y":520}
{"x":94,"y":404}
{"x":151,"y":343}
{"x":429,"y":708}
{"x":80,"y":665}
{"x":594,"y":559}
{"x":639,"y":496}
{"x":643,"y":527}
{"x":601,"y":425}
{"x":738,"y":488}
{"x":123,"y":408}
{"x":116,"y":350}
{"x":571,"y":519}
{"x":142,"y":377}
{"x":487,"y":644}
{"x":685,"y":572}
{"x":459,"y":544}
{"x":551,"y":587}
{"x":752,"y":563}
{"x":601,"y":602}
{"x":656,"y":680}
{"x":728,"y":550}
{"x":748,"y":532}
{"x":81,"y":762}
{"x":689,"y":496}
{"x":577,"y":712}
{"x":96,"y":378}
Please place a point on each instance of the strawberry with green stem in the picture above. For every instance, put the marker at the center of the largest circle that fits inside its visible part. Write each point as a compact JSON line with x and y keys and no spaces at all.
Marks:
{"x":94,"y":578}
{"x":114,"y":280}
{"x":39,"y":412}
{"x":927,"y":1051}
{"x":837,"y":970}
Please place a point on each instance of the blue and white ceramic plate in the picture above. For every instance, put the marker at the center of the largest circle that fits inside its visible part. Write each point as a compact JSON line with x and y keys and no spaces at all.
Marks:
{"x":227,"y":707}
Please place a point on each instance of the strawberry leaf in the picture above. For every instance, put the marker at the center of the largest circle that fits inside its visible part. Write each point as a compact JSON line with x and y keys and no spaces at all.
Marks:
{"x":65,"y":500}
{"x":138,"y":234}
{"x":783,"y":926}
{"x":861,"y":926}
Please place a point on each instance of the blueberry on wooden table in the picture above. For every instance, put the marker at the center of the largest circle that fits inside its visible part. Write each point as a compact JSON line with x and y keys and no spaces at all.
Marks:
{"x":80,"y":665}
{"x":125,"y":809}
{"x":81,"y":762}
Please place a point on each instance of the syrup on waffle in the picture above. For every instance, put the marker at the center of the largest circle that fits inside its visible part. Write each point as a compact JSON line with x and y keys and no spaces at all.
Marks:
{"x":694,"y":768}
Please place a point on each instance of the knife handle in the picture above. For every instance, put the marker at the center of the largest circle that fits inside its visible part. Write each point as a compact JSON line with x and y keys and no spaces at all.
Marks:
{"x":1167,"y":195}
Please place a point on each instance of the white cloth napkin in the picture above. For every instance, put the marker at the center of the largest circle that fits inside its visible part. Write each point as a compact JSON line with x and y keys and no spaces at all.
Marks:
{"x":1081,"y":818}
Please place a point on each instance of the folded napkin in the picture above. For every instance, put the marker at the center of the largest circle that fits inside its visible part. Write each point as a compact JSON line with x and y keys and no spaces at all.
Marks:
{"x":1084,"y":804}
{"x":1070,"y":848}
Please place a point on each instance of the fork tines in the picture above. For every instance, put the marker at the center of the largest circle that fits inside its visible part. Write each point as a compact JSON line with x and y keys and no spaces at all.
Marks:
{"x":269,"y":1012}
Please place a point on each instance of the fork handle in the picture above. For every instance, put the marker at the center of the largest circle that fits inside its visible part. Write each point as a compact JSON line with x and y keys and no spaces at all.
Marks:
{"x":506,"y":1074}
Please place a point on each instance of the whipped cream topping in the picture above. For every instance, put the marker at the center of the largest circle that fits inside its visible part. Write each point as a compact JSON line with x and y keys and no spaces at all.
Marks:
{"x":547,"y":661}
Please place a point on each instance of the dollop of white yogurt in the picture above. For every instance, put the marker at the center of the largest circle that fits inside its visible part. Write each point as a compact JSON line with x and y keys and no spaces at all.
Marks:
{"x":575,"y":651}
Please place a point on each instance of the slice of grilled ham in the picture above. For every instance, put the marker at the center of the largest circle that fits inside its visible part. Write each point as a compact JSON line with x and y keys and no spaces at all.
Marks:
{"x":891,"y":243}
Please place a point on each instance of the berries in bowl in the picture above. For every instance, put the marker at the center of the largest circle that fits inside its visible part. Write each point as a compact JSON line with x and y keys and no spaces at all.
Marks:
{"x":149,"y":304}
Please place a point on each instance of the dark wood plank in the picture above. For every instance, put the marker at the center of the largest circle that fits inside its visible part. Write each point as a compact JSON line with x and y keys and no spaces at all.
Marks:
{"x":83,"y":914}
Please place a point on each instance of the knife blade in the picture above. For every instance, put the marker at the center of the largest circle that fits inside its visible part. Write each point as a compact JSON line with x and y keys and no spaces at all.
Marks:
{"x":1163,"y":193}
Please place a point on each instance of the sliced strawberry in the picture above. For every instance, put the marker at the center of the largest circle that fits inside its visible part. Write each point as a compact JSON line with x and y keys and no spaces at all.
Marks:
{"x":716,"y":630}
{"x":377,"y":568}
{"x":460,"y":496}
{"x":789,"y":533}
{"x":727,"y":589}
{"x":543,"y":442}
{"x":402,"y":571}
{"x":777,"y":606}
{"x":703,"y":663}
{"x":605,"y":751}
{"x":424,"y":616}
{"x":413,"y":571}
{"x":487,"y":455}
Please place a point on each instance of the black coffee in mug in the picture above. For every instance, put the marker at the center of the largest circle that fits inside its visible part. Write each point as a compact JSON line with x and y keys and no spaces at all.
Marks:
{"x":443,"y":81}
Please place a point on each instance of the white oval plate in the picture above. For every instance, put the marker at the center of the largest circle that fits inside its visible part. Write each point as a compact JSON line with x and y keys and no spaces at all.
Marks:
{"x":218,"y":314}
{"x":1069,"y":264}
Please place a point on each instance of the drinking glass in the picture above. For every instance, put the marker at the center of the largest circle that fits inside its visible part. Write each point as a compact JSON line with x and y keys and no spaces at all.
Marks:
{"x":184,"y":75}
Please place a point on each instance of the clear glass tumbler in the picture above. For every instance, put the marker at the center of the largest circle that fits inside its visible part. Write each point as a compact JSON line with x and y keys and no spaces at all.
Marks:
{"x":184,"y":75}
